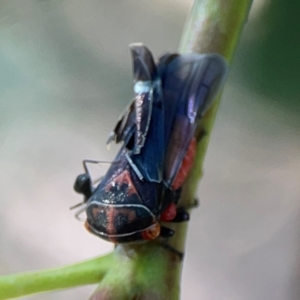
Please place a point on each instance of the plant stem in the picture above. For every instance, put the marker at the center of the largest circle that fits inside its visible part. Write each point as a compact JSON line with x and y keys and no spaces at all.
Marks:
{"x":87,"y":272}
{"x":213,"y":26}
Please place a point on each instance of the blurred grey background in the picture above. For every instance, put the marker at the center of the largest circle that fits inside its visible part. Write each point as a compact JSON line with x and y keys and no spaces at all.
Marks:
{"x":65,"y":76}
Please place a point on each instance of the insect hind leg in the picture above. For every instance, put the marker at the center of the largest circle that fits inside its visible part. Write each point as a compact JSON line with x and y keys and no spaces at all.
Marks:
{"x":167,"y":233}
{"x":173,"y":250}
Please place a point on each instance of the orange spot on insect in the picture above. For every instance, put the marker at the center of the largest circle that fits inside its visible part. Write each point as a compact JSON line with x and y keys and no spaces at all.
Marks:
{"x":169,"y":213}
{"x":152,"y":232}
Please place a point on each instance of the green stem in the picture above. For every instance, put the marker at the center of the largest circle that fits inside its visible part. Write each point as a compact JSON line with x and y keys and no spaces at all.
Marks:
{"x":214,"y":26}
{"x":87,"y":272}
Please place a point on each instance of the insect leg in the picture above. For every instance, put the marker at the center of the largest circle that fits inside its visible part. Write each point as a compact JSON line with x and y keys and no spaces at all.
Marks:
{"x":85,"y":162}
{"x":181,"y":215}
{"x":166,"y":232}
{"x":173,"y":250}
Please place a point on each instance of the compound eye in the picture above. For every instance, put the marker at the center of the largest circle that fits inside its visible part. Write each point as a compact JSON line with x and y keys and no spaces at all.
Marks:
{"x":83,"y":185}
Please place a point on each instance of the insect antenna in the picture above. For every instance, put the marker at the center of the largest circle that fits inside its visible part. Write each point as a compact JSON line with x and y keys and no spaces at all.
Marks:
{"x":82,"y":207}
{"x":85,"y":162}
{"x":77,"y":205}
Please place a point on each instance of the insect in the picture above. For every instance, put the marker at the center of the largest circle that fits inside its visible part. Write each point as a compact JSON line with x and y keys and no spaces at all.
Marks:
{"x":142,"y":186}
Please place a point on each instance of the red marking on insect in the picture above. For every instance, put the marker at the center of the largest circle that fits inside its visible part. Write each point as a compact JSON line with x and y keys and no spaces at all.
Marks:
{"x":169,"y":213}
{"x":186,"y":165}
{"x":123,"y":178}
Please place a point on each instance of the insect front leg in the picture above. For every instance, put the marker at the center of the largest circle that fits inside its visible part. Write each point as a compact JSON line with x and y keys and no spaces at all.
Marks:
{"x":83,"y":183}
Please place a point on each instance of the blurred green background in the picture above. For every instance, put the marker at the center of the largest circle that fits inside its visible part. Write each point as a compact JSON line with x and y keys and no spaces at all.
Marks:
{"x":65,"y":76}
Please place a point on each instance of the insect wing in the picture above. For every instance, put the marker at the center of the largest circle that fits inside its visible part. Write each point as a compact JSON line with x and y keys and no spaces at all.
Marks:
{"x":144,"y":72}
{"x":150,"y":159}
{"x":136,"y":118}
{"x":189,"y":83}
{"x":124,"y":127}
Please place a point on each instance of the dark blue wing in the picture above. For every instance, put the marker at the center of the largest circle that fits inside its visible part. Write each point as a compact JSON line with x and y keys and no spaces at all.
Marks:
{"x":144,"y":72}
{"x":136,"y":118}
{"x":150,"y":159}
{"x":189,"y":84}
